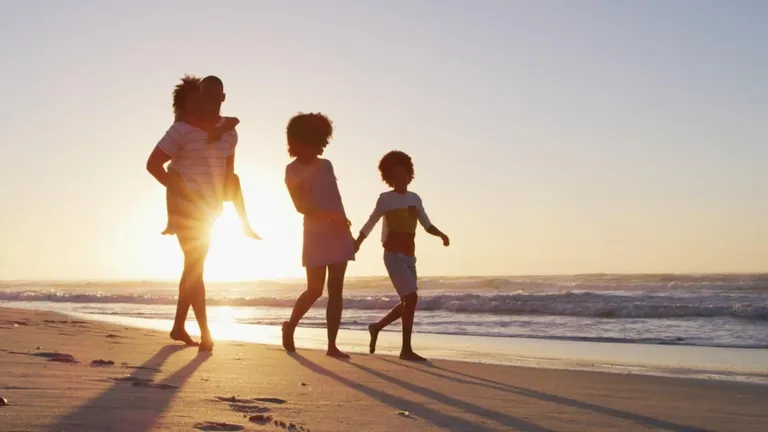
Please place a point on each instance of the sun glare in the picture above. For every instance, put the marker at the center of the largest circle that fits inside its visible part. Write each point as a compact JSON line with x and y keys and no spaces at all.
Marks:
{"x":235,"y":257}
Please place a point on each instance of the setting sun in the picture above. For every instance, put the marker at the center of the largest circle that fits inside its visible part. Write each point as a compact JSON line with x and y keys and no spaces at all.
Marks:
{"x":235,"y":257}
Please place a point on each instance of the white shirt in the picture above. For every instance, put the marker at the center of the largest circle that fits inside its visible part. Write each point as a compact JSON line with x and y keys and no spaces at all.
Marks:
{"x":391,"y":200}
{"x":202,"y":165}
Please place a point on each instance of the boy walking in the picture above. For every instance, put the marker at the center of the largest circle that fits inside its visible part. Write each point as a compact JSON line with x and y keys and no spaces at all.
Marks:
{"x":401,"y":209}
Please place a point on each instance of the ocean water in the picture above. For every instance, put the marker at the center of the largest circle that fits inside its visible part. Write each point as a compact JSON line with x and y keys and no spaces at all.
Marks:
{"x":700,"y":310}
{"x":671,"y":321}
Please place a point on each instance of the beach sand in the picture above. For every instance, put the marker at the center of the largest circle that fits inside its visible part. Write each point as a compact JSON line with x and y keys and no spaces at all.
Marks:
{"x":156,"y":385}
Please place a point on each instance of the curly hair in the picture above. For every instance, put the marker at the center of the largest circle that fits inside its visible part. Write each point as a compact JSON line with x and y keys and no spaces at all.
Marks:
{"x":181,"y":92}
{"x":312,"y":130}
{"x":392,"y":160}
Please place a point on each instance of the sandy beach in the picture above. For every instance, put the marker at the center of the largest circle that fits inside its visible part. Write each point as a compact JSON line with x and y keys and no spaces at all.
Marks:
{"x":51,"y":384}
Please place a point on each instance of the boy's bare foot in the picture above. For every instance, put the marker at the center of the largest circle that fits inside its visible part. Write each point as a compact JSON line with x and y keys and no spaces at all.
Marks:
{"x":206,"y":342}
{"x":288,"y":329}
{"x":374,"y":336}
{"x":168,"y":231}
{"x":250,"y":233}
{"x":336,"y":353}
{"x":411,"y":356}
{"x":183,"y":336}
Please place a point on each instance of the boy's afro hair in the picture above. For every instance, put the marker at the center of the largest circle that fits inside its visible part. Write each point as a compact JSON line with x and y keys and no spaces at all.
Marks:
{"x":189,"y":84}
{"x":310,"y":130}
{"x":392,"y":160}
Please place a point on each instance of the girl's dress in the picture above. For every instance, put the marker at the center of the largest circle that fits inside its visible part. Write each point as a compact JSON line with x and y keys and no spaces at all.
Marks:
{"x":325,"y":243}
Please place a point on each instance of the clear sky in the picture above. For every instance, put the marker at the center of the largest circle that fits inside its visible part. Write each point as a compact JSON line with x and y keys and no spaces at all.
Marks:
{"x":548,"y":136}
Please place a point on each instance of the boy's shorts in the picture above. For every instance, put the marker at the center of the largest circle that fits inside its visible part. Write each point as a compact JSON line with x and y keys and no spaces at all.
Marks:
{"x":402,"y":272}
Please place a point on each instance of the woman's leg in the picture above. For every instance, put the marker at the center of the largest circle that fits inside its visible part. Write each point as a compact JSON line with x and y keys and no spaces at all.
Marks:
{"x":192,"y":287}
{"x":315,"y":283}
{"x":335,"y":307}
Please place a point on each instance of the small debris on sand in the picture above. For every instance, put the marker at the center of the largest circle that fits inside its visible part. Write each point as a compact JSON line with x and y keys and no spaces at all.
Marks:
{"x":3,"y":401}
{"x":304,"y":384}
{"x":100,"y":362}
{"x":403,"y":413}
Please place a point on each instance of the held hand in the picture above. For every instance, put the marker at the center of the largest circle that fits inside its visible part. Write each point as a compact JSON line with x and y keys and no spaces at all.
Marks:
{"x":446,"y":240}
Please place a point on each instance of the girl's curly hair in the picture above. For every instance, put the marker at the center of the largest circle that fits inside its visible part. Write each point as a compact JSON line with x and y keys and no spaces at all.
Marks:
{"x":181,"y":93}
{"x":392,"y":160}
{"x":312,"y":130}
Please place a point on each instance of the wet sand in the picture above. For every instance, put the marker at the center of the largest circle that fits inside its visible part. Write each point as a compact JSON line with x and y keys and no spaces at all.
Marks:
{"x":62,"y":374}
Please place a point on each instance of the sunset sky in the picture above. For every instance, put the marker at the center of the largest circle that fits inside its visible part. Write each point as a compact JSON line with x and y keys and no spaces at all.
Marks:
{"x":548,"y":136}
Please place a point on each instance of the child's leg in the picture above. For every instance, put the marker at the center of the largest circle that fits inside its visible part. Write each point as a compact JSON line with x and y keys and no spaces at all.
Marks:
{"x":235,"y":194}
{"x":409,"y":311}
{"x":315,"y":283}
{"x":388,"y":319}
{"x":333,"y":312}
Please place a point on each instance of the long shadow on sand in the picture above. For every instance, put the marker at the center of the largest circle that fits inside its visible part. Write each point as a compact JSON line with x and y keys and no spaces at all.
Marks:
{"x":127,"y":406}
{"x":442,"y":420}
{"x":643,"y":420}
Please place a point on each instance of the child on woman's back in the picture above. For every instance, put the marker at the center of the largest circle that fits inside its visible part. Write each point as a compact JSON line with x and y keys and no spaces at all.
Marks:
{"x":187,"y":110}
{"x":401,"y":210}
{"x":328,"y":243}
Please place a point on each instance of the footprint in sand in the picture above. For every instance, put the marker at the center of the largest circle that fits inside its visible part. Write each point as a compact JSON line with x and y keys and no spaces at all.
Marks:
{"x":218,"y":426}
{"x":260,"y":419}
{"x":234,"y":399}
{"x":248,"y":409}
{"x":56,"y":357}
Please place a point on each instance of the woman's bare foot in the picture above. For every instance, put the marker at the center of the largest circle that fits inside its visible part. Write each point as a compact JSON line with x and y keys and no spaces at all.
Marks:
{"x":206,"y":342}
{"x":411,"y":356}
{"x":288,"y":329}
{"x":374,"y":336}
{"x":336,"y":353}
{"x":183,"y":336}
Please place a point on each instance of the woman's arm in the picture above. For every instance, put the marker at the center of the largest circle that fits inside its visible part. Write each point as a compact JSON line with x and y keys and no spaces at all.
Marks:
{"x":156,"y":165}
{"x":169,"y":145}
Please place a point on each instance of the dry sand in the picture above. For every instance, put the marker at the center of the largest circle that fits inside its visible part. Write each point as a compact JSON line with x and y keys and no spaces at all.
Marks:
{"x":156,"y":385}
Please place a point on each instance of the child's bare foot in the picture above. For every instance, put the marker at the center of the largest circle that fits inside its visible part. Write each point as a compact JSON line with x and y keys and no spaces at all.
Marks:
{"x":206,"y":342}
{"x":183,"y":336}
{"x":411,"y":356}
{"x":288,"y":329}
{"x":336,"y":353}
{"x":168,"y":231}
{"x":250,"y":233}
{"x":374,"y":336}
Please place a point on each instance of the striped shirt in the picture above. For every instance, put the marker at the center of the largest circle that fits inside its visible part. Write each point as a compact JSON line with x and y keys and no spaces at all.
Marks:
{"x":201,"y":165}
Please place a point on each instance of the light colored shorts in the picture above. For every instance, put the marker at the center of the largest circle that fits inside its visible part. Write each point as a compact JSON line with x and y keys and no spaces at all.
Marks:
{"x":402,"y":272}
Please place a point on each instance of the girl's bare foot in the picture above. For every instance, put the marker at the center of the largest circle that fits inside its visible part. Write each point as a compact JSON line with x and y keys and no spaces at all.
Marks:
{"x":206,"y":342}
{"x":288,"y":329}
{"x":183,"y":336}
{"x":411,"y":356}
{"x":336,"y":353}
{"x":250,"y":233}
{"x":374,"y":336}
